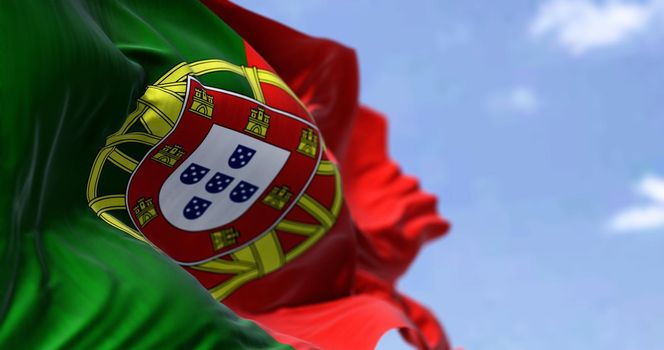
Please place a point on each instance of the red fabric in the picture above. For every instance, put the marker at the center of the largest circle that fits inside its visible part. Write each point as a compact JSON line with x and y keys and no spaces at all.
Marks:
{"x":394,"y":216}
{"x":344,"y":323}
{"x":387,"y":221}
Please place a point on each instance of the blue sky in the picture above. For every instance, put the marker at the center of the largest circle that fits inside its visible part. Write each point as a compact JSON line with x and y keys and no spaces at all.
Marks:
{"x":539,"y":126}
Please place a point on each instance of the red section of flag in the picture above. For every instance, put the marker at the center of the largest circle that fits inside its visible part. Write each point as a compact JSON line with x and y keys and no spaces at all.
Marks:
{"x":392,"y":216}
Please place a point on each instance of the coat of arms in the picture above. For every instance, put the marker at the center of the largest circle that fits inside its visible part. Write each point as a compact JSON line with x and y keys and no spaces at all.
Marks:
{"x":234,"y":154}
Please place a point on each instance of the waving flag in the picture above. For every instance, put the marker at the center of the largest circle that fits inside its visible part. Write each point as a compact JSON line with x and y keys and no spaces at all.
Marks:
{"x":139,"y":137}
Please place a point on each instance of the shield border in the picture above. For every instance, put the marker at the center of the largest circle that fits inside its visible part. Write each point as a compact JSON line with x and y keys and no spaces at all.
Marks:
{"x":177,"y":122}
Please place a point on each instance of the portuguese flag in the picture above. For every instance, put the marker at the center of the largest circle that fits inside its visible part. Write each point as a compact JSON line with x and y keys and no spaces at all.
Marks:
{"x":187,"y":174}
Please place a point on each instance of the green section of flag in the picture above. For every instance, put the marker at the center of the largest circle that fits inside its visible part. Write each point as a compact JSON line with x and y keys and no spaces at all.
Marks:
{"x":70,"y":73}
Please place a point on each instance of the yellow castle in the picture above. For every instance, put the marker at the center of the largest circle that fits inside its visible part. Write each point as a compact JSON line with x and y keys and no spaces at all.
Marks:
{"x":308,"y":143}
{"x":224,"y":238}
{"x":278,"y":197}
{"x":202,"y":104}
{"x":258,"y":123}
{"x":144,"y":210}
{"x":169,"y":155}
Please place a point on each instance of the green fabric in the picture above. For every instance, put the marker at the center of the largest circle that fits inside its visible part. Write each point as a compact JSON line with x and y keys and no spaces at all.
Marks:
{"x":70,"y":72}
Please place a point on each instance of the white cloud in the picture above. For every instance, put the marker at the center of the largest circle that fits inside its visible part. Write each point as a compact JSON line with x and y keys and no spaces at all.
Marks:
{"x":643,"y":217}
{"x":520,"y":99}
{"x":653,"y":187}
{"x":582,"y":25}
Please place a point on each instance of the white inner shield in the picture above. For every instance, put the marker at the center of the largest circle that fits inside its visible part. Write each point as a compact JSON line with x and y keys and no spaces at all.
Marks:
{"x":213,"y":153}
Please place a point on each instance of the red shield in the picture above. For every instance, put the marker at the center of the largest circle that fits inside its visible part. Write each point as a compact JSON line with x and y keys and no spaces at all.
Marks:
{"x":227,"y":173}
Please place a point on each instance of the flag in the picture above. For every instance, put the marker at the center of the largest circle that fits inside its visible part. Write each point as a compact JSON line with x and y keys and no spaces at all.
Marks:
{"x":160,"y":158}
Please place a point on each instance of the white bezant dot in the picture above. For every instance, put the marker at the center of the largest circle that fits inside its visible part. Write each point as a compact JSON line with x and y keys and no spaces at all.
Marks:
{"x":188,"y":210}
{"x":185,"y":175}
{"x":244,"y":198}
{"x":198,"y":213}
